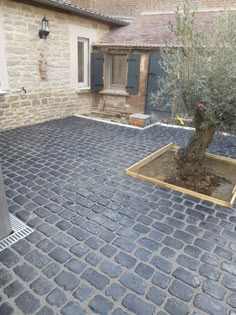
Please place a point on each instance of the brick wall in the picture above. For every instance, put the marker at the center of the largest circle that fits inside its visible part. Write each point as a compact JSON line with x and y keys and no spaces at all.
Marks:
{"x":134,"y":7}
{"x":44,"y":99}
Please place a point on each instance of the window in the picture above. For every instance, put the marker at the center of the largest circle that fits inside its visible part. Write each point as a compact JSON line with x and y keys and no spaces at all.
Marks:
{"x":83,"y":62}
{"x":118,"y":71}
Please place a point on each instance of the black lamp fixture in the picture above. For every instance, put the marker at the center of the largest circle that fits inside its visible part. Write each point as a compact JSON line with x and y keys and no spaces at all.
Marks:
{"x":44,"y":31}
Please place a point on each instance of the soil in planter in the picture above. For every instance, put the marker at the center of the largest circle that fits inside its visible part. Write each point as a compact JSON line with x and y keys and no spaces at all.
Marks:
{"x":219,"y":183}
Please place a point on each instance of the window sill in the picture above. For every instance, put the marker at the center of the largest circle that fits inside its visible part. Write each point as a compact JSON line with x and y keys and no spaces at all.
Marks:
{"x":114,"y":92}
{"x":81,"y":91}
{"x":3,"y":92}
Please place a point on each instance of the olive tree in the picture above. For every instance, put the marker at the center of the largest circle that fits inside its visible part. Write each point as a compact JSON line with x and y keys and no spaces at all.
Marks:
{"x":200,"y":80}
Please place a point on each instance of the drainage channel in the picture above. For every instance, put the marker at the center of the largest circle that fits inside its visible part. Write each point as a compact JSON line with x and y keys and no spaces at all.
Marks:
{"x":20,"y":231}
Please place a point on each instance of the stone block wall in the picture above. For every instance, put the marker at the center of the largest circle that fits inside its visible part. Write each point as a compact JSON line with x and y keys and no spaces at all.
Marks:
{"x":134,"y":7}
{"x":40,"y":100}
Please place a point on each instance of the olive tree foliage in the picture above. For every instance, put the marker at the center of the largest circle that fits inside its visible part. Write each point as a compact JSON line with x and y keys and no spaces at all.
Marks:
{"x":200,"y":70}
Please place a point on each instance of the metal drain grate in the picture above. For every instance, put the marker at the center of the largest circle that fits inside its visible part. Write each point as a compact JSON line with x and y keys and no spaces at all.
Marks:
{"x":20,"y":230}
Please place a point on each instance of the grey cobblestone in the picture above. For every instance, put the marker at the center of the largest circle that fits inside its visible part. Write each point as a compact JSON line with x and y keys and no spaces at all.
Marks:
{"x":116,"y":291}
{"x":83,"y":292}
{"x":209,"y":305}
{"x":210,"y":259}
{"x":111,"y":269}
{"x":73,"y":309}
{"x":119,"y":311}
{"x":100,"y":305}
{"x":187,"y":277}
{"x":229,"y":282}
{"x":161,"y":264}
{"x":144,"y":271}
{"x":67,"y":280}
{"x":93,"y":258}
{"x":56,"y":298}
{"x":45,"y":310}
{"x":124,"y":244}
{"x":51,"y":270}
{"x":175,"y":307}
{"x":75,"y":266}
{"x":168,"y":252}
{"x":96,"y":279}
{"x":9,"y":258}
{"x":46,"y":245}
{"x":133,"y":282}
{"x":229,"y":267}
{"x":222,"y":252}
{"x":63,"y":240}
{"x":136,"y":305}
{"x":213,"y":289}
{"x":27,"y":302}
{"x":167,"y":229}
{"x":232,"y":300}
{"x":125,"y":260}
{"x":187,"y":262}
{"x":152,"y":249}
{"x":203,"y":244}
{"x":79,"y":250}
{"x":181,"y":291}
{"x":13,"y":289}
{"x":108,"y":250}
{"x":22,"y":247}
{"x":59,"y":254}
{"x":37,"y":259}
{"x":161,"y":280}
{"x":25,"y":272}
{"x":173,"y":242}
{"x":209,"y":272}
{"x":6,"y":309}
{"x":156,"y":295}
{"x":41,"y":286}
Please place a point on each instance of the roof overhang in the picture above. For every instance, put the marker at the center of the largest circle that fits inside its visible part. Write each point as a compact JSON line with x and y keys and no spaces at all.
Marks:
{"x":77,"y":11}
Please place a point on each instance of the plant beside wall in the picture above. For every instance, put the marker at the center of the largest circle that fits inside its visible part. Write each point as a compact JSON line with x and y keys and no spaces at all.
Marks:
{"x":201,"y":70}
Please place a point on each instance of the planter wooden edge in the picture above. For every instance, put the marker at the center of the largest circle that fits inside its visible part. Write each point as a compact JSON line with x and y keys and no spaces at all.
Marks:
{"x":132,"y":171}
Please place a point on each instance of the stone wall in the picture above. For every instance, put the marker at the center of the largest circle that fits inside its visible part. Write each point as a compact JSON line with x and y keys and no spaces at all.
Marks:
{"x":40,"y":100}
{"x":134,"y":7}
{"x":118,"y":103}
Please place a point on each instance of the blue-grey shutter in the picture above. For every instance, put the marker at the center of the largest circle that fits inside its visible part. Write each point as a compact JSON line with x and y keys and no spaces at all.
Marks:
{"x":97,"y":71}
{"x":155,"y":72}
{"x":133,"y":73}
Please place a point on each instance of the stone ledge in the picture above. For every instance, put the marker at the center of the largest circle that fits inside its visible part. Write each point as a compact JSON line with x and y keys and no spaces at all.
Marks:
{"x":3,"y":92}
{"x":114,"y":92}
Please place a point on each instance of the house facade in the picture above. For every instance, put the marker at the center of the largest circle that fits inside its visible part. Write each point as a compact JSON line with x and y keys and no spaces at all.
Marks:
{"x":131,"y":63}
{"x":42,"y":79}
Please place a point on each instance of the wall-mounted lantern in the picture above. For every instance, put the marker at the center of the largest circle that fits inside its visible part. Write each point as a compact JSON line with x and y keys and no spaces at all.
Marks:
{"x":44,"y":31}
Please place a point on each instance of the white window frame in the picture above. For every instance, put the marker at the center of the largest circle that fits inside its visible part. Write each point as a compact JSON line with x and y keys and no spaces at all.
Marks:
{"x":3,"y":65}
{"x":85,"y":83}
{"x":93,"y":35}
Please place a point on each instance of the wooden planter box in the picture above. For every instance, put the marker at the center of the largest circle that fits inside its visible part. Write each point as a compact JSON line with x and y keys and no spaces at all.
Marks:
{"x":133,"y":171}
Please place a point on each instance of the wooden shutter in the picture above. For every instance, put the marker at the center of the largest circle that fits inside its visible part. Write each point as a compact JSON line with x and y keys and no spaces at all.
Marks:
{"x":133,"y":73}
{"x":97,"y":71}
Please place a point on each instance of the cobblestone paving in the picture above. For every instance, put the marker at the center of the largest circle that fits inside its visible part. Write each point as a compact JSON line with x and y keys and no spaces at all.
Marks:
{"x":104,"y":242}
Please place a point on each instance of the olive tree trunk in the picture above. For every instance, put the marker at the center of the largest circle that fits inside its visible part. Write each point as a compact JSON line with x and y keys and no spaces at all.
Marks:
{"x":191,"y":160}
{"x":5,"y":223}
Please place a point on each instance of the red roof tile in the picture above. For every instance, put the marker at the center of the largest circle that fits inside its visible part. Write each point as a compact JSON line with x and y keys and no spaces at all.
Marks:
{"x":151,"y":30}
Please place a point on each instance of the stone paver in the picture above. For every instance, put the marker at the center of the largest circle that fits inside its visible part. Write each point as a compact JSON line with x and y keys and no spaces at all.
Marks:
{"x":104,"y":242}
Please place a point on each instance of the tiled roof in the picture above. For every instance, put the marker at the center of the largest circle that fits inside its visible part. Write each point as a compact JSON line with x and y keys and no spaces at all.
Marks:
{"x":66,"y":6}
{"x":151,"y":30}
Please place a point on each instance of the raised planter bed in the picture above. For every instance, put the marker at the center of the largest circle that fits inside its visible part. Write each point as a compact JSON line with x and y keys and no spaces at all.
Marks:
{"x":157,"y":166}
